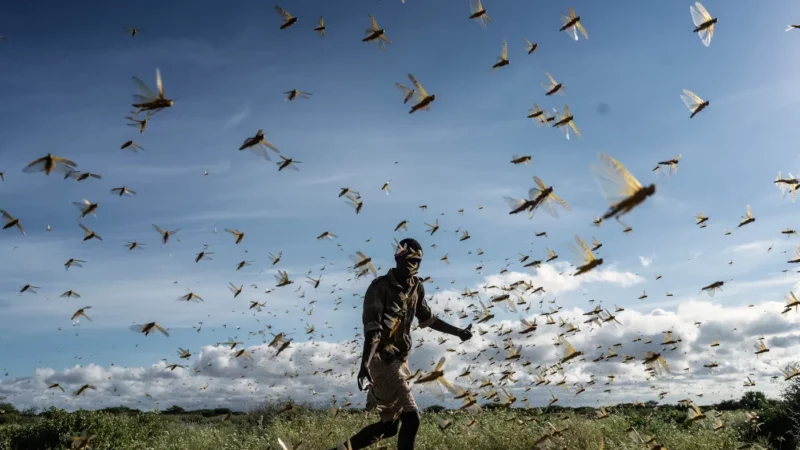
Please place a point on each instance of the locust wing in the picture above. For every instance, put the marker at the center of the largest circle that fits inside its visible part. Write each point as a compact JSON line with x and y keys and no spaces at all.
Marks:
{"x":407,"y":92}
{"x":421,"y":93}
{"x":583,"y":251}
{"x":699,"y":17}
{"x":691,"y":100}
{"x":283,"y":13}
{"x":614,"y":179}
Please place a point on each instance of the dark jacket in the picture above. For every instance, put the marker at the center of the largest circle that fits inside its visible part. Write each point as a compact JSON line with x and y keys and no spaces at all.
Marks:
{"x":389,"y":309}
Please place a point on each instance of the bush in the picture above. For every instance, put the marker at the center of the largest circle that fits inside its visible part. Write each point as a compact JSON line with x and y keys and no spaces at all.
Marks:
{"x":221,"y":411}
{"x":507,"y":429}
{"x":776,"y":428}
{"x":121,"y":410}
{"x":754,"y":400}
{"x":174,"y":409}
{"x":671,"y":415}
{"x":7,"y":408}
{"x":434,"y":409}
{"x":780,"y":420}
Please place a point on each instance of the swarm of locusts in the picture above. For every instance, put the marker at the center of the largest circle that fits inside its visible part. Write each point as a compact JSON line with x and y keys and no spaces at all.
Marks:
{"x":626,"y":197}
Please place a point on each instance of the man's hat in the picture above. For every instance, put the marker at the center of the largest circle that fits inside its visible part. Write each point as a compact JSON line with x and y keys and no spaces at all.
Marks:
{"x":410,"y":247}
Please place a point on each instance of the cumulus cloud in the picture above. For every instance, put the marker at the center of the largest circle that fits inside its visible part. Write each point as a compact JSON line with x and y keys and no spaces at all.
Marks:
{"x":237,"y":118}
{"x":645,"y":261}
{"x":754,"y":246}
{"x":555,"y":279}
{"x":558,"y":278}
{"x":315,"y":370}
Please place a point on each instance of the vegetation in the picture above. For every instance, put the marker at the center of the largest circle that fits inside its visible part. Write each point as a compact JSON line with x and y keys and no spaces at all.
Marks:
{"x":175,"y":428}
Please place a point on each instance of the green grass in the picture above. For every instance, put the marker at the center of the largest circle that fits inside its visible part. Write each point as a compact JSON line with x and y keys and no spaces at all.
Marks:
{"x":316,"y":429}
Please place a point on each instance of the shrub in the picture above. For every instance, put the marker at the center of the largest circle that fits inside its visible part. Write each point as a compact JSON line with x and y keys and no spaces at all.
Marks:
{"x":506,"y":429}
{"x":434,"y":409}
{"x":8,"y":408}
{"x":776,"y":428}
{"x":174,"y":409}
{"x":780,"y":420}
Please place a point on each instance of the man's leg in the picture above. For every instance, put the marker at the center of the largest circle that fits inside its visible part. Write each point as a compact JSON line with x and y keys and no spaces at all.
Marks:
{"x":371,"y":433}
{"x":408,"y":430}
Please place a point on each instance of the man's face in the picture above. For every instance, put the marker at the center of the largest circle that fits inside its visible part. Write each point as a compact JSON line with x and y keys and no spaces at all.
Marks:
{"x":413,"y":264}
{"x":408,"y":258}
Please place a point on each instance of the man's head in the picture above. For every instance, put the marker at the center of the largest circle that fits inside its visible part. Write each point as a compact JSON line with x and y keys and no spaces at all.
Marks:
{"x":408,"y":256}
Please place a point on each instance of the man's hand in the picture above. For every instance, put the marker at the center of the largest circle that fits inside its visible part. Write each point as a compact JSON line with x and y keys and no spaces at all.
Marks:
{"x":363,"y":377}
{"x":465,"y":334}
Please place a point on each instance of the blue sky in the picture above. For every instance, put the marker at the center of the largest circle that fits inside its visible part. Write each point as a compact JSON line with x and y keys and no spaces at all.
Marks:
{"x":67,"y":87}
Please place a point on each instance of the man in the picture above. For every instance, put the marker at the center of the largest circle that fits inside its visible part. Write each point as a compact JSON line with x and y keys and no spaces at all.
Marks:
{"x":390,"y":305}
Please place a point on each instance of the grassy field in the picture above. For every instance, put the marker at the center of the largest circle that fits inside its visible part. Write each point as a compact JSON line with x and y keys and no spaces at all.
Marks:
{"x":318,"y":429}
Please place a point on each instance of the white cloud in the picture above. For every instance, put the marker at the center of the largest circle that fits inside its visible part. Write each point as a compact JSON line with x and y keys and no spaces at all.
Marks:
{"x":786,"y":279}
{"x":756,"y":246}
{"x":557,"y":278}
{"x":645,"y":261}
{"x":214,"y":377}
{"x":237,"y":118}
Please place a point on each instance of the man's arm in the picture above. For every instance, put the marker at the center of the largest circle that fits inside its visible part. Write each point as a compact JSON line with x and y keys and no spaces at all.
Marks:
{"x":427,"y":319}
{"x":444,"y":327}
{"x":373,"y":310}
{"x":370,"y":346}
